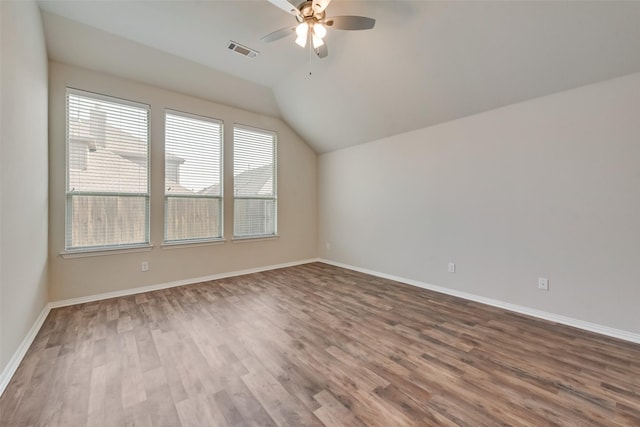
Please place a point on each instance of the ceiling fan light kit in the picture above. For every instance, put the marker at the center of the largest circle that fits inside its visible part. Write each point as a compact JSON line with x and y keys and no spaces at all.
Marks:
{"x":312,"y":24}
{"x":302,"y":31}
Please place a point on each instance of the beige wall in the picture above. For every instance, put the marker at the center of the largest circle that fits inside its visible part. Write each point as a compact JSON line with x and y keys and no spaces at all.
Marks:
{"x":545,"y":188}
{"x":23,"y":174}
{"x":297,"y":198}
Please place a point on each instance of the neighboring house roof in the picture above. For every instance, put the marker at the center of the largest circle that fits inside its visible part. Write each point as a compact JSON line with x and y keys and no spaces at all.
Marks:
{"x":212,"y":190}
{"x":173,"y":188}
{"x":172,"y":158}
{"x":252,"y":182}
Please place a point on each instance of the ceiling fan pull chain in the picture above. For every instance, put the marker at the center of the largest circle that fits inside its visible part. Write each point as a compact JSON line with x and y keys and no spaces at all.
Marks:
{"x":309,"y":59}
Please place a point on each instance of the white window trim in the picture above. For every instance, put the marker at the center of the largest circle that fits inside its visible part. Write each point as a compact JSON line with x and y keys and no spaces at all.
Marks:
{"x":91,"y":252}
{"x":108,"y":98}
{"x":193,"y":243}
{"x":246,"y":239}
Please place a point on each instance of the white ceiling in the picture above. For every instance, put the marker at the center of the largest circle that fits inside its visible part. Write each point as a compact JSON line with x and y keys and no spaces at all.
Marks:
{"x":424,"y":63}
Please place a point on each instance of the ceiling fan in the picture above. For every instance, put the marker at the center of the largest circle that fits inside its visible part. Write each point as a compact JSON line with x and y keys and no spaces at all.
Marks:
{"x":312,"y":24}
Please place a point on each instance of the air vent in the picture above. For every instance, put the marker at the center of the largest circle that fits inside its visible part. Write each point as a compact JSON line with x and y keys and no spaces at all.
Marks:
{"x":242,"y":50}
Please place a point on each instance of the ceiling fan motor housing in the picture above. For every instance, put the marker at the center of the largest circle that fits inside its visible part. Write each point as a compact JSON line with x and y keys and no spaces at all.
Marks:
{"x":308,"y":14}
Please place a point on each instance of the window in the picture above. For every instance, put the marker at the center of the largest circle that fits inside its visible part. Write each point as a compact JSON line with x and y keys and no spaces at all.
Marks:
{"x":193,"y":178}
{"x":107,"y":183}
{"x":254,"y":182}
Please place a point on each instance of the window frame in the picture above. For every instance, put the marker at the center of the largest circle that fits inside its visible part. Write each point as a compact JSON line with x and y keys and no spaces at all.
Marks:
{"x":143,"y":245}
{"x":220,"y":198}
{"x":274,"y":198}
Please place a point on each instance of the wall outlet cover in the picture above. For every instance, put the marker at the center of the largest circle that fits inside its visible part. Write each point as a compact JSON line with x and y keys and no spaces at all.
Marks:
{"x":543,"y":284}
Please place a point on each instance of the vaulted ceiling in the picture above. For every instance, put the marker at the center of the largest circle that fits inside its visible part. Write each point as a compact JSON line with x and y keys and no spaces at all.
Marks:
{"x":425,"y":62}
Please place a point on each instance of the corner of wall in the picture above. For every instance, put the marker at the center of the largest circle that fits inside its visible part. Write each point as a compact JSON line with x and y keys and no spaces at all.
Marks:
{"x":23,"y":179}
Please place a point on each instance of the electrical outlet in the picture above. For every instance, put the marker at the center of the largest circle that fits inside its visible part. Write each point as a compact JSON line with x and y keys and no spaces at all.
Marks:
{"x":452,"y":267}
{"x":144,"y":266}
{"x":328,"y":245}
{"x":543,"y":284}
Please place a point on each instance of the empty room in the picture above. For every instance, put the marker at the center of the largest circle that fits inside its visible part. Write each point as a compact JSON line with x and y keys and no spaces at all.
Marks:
{"x":319,"y":213}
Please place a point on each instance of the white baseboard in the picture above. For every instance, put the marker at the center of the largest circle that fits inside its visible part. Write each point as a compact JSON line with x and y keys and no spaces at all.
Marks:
{"x":580,"y":324}
{"x":9,"y":370}
{"x":142,"y":289}
{"x":12,"y":366}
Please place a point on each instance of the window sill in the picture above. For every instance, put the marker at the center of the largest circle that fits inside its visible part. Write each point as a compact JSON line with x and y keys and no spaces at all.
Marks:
{"x":192,"y":244}
{"x":254,"y":238}
{"x":84,"y":253}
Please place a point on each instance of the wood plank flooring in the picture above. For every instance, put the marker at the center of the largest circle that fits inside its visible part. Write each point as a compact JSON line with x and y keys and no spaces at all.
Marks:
{"x":316,"y":345}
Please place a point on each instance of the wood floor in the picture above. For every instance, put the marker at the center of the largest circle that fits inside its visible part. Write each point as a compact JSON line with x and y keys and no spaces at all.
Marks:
{"x":316,"y":345}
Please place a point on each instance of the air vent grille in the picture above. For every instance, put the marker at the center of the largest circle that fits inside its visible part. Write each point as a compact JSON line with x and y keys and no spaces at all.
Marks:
{"x":242,"y":50}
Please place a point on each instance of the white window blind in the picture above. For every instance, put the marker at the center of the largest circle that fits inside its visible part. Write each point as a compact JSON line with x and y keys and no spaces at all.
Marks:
{"x":254,"y":182}
{"x":107,"y":189}
{"x":193,"y":178}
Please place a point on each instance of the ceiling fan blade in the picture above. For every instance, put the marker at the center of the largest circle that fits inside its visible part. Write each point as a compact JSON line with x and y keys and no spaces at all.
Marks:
{"x":322,"y":51}
{"x":350,"y":22}
{"x":320,"y":5}
{"x":278,"y":34}
{"x":287,"y":7}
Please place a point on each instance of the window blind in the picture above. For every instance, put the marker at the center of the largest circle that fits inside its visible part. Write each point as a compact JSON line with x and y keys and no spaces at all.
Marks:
{"x":254,"y":175}
{"x":193,"y":178}
{"x":254,"y":182}
{"x":107,"y":164}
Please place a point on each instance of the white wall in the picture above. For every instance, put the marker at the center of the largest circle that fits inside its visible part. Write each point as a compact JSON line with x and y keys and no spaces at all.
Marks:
{"x":297,"y":197}
{"x":545,"y":188}
{"x":23,"y":174}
